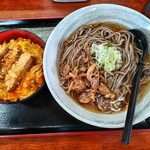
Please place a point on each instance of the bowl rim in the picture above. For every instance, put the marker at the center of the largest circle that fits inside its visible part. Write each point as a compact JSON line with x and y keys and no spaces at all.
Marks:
{"x":90,"y":7}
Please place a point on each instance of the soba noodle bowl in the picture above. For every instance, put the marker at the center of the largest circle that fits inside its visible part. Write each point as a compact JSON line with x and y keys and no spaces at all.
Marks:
{"x":97,"y":65}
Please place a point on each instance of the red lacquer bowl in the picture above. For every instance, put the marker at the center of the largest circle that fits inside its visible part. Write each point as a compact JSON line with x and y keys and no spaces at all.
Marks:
{"x":14,"y":34}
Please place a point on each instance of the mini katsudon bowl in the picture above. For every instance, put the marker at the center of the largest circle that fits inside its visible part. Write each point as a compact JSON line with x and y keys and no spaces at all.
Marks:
{"x":89,"y":63}
{"x":21,"y":65}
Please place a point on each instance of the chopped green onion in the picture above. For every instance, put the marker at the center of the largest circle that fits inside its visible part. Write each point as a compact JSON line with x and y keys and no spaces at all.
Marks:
{"x":106,"y":56}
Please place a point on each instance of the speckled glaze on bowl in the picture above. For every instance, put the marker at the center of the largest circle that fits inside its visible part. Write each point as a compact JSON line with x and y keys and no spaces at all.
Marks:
{"x":94,"y":13}
{"x":7,"y":35}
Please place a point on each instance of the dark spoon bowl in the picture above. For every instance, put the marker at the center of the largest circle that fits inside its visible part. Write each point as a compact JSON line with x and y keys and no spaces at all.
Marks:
{"x":140,"y":39}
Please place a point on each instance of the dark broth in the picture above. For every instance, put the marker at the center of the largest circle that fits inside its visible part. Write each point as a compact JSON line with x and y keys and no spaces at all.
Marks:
{"x":115,"y":27}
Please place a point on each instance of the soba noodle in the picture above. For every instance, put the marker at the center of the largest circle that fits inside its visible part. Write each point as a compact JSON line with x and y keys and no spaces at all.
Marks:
{"x":86,"y":81}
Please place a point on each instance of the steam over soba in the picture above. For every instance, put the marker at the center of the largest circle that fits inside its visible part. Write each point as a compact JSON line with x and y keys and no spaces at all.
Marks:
{"x":97,"y":65}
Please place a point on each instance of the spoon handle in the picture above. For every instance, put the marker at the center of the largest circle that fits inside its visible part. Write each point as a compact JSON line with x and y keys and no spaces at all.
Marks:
{"x":131,"y":108}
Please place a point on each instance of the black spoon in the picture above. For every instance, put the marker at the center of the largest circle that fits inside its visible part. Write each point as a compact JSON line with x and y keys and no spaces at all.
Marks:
{"x":142,"y":43}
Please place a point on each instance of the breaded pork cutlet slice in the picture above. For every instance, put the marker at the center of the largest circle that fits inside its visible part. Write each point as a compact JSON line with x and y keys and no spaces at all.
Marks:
{"x":3,"y":50}
{"x":7,"y":61}
{"x":17,"y":70}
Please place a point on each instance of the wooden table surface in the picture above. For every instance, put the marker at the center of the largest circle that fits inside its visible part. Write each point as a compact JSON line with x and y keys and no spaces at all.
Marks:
{"x":94,"y":140}
{"x":37,"y":9}
{"x":105,"y":140}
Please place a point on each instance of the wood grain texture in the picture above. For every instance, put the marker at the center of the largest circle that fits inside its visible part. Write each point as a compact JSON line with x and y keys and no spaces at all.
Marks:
{"x":43,"y":9}
{"x":98,"y":140}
